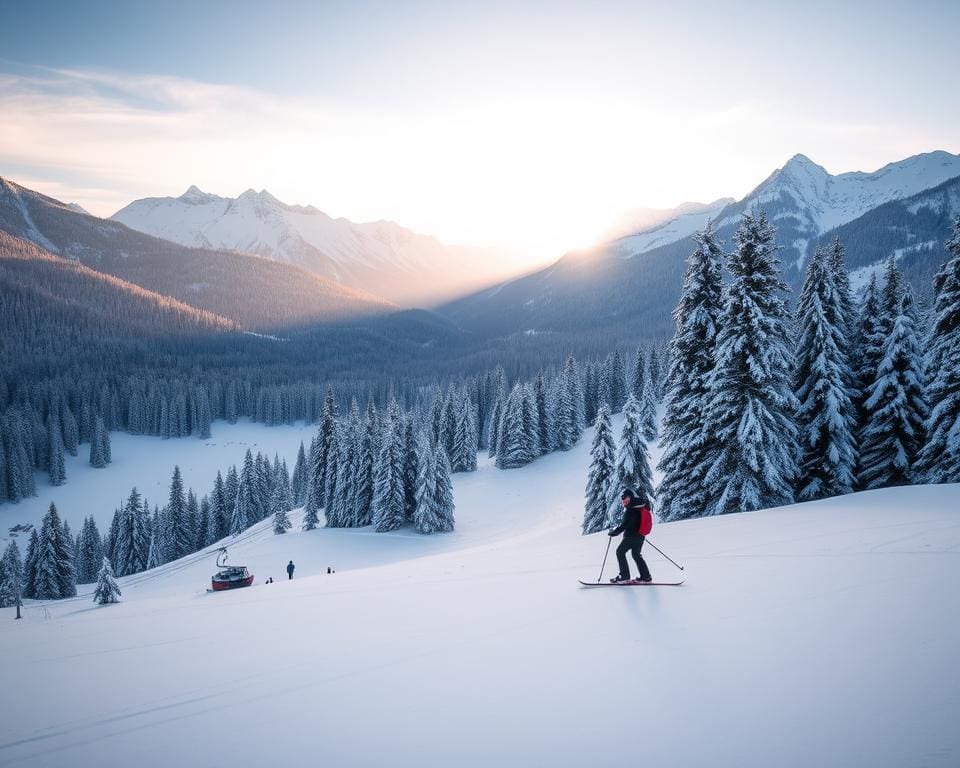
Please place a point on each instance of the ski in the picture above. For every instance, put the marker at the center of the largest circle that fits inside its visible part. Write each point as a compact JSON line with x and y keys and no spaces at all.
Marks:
{"x":631,"y":583}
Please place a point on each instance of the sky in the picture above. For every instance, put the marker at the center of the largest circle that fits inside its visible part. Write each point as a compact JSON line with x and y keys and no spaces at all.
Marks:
{"x":527,"y":125}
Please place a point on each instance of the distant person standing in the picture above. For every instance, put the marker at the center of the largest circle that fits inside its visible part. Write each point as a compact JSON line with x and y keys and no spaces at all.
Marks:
{"x":290,"y":568}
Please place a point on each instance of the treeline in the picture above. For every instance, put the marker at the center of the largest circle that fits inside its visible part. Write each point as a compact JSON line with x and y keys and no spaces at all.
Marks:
{"x":764,"y":409}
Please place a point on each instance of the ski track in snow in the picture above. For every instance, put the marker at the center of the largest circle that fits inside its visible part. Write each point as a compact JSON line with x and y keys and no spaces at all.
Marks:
{"x":819,"y":634}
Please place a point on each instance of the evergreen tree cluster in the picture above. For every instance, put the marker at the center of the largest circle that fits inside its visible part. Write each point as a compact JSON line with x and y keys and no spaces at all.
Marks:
{"x":763,"y":409}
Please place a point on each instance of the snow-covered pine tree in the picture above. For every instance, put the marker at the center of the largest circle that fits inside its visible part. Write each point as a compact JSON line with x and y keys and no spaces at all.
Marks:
{"x":388,"y":500}
{"x":107,"y":590}
{"x":317,"y":483}
{"x":464,"y":458}
{"x":89,"y":552}
{"x":180,"y":535}
{"x":633,"y":459}
{"x":647,"y":411}
{"x":219,"y":514}
{"x":749,"y":413}
{"x":940,"y":456}
{"x":281,"y":501}
{"x":638,"y":378}
{"x":514,"y":443}
{"x":98,"y":456}
{"x":496,"y":413}
{"x":841,"y":281}
{"x":154,"y":557}
{"x":868,"y":351}
{"x":617,"y":383}
{"x":545,"y":437}
{"x":823,"y":381}
{"x":336,"y":460}
{"x":11,"y":576}
{"x":448,"y":421}
{"x":123,"y":550}
{"x":366,"y":466}
{"x":55,"y":458}
{"x":245,"y":509}
{"x":30,"y":565}
{"x":54,"y":572}
{"x":891,"y":296}
{"x":231,"y":487}
{"x":205,"y":530}
{"x":443,"y":506}
{"x":655,"y":373}
{"x":425,"y":518}
{"x":299,"y":475}
{"x":570,"y":407}
{"x":193,"y":520}
{"x":411,"y":468}
{"x":897,"y":410}
{"x":602,"y":475}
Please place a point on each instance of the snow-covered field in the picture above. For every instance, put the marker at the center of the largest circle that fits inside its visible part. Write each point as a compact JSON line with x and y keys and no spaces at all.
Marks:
{"x":822,"y":634}
{"x":147,"y":463}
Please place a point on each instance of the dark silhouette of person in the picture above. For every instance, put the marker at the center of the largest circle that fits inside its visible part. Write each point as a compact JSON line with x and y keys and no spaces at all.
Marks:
{"x":290,"y":568}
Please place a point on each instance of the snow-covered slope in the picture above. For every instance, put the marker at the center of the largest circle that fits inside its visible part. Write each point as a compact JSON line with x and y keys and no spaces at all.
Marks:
{"x":689,"y":218}
{"x":381,"y":257}
{"x":819,"y":634}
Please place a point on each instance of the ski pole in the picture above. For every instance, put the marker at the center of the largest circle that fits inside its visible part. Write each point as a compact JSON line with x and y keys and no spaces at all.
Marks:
{"x":609,"y":539}
{"x":663,"y":553}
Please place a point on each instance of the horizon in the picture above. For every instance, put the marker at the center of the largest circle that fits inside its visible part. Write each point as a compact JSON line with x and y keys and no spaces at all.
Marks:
{"x":479,"y":124}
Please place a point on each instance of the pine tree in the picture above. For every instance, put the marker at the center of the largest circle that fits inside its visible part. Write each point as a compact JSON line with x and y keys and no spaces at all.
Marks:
{"x":107,"y":590}
{"x":426,"y":518}
{"x":869,"y":346}
{"x":940,"y":456}
{"x":97,"y":458}
{"x":602,"y":475}
{"x":181,"y":536}
{"x":245,"y":510}
{"x":219,"y":510}
{"x":89,"y":552}
{"x":205,"y":527}
{"x":638,"y":379}
{"x":57,"y":468}
{"x":655,"y":374}
{"x":545,"y":437}
{"x":30,"y":565}
{"x":298,"y":484}
{"x":54,"y":572}
{"x":569,"y":406}
{"x":496,"y":416}
{"x":336,"y":459}
{"x":633,"y":459}
{"x":647,"y":412}
{"x":826,"y":419}
{"x":366,"y":466}
{"x":125,"y":551}
{"x":231,"y":487}
{"x":11,"y":577}
{"x":464,"y":458}
{"x":897,"y":411}
{"x":515,"y":439}
{"x":318,"y":469}
{"x":617,"y":382}
{"x":752,"y":464}
{"x":443,"y":505}
{"x":681,"y":493}
{"x":388,"y":501}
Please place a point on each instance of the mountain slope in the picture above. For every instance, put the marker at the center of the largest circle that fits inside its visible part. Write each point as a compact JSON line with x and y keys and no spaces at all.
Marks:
{"x":683,"y":221}
{"x":625,"y":293}
{"x":829,"y":618}
{"x":381,"y":257}
{"x":257,"y":293}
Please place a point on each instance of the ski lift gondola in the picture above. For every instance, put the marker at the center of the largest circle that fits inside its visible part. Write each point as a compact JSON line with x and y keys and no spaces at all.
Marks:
{"x":230,"y":576}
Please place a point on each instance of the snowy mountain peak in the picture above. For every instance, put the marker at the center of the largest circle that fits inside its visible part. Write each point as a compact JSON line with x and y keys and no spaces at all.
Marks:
{"x":195,"y":196}
{"x":381,"y":257}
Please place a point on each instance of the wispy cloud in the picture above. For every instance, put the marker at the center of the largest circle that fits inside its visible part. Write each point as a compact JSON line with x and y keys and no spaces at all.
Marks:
{"x":543,"y":172}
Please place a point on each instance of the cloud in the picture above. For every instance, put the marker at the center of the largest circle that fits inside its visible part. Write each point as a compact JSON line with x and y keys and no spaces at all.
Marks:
{"x":543,"y":171}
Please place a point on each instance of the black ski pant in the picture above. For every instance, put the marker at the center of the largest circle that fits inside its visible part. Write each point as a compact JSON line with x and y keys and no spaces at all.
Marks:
{"x":632,"y":544}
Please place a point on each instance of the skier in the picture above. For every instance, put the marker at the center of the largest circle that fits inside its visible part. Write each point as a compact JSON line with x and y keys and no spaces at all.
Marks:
{"x":290,"y":567}
{"x":635,"y":509}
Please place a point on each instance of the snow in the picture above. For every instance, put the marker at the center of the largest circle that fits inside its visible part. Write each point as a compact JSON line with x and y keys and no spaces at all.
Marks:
{"x":669,"y":231}
{"x":352,"y":253}
{"x":147,"y":463}
{"x":827,"y":201}
{"x":817,"y":634}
